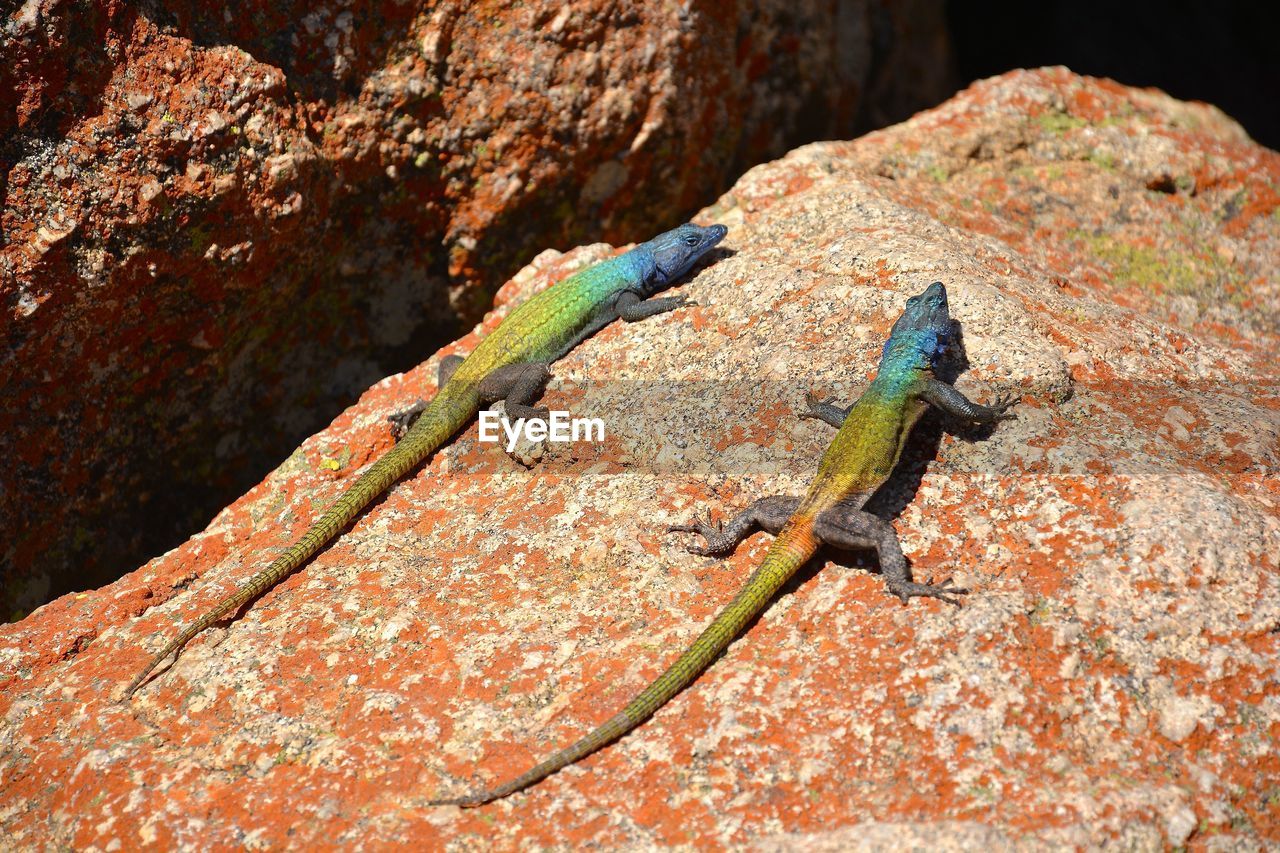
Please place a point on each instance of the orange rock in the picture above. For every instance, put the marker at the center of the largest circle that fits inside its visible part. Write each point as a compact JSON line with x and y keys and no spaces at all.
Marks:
{"x":1111,"y":678}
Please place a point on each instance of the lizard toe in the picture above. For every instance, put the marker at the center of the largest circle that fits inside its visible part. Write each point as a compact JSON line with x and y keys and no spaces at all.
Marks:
{"x":1003,"y":405}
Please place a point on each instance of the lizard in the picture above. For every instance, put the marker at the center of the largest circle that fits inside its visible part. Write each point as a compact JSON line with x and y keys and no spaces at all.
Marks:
{"x":511,"y":364}
{"x":864,"y":452}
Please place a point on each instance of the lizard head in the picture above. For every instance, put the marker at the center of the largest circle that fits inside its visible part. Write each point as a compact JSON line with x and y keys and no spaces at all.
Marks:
{"x":675,"y":252}
{"x":923,"y":331}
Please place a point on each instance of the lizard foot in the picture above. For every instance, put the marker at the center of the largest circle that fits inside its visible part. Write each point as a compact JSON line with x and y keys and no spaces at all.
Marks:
{"x":944,"y":591}
{"x":815,"y":404}
{"x":824,"y":409}
{"x":403,"y":420}
{"x":1003,"y":404}
{"x":526,"y":451}
{"x":717,"y":541}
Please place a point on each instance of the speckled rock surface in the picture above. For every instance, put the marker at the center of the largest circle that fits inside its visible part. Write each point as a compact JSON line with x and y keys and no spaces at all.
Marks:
{"x":1111,"y":255}
{"x":221,"y":222}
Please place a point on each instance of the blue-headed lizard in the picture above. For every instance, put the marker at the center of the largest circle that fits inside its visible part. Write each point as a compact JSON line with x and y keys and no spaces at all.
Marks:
{"x":511,"y":364}
{"x":861,"y":457}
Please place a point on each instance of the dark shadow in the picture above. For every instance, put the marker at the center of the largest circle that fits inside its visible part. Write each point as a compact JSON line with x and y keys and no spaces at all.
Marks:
{"x":1222,"y":52}
{"x":719,"y":253}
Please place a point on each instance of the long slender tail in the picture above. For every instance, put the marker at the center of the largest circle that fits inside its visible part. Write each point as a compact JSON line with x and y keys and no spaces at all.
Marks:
{"x":448,"y":412}
{"x":793,"y":547}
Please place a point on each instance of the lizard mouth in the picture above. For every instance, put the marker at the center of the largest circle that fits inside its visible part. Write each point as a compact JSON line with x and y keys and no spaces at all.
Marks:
{"x":715,"y":233}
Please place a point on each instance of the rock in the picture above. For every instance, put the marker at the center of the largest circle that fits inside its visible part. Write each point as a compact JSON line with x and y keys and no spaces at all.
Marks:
{"x":389,"y":162}
{"x":483,"y":614}
{"x":1179,"y":716}
{"x":1180,"y":823}
{"x":527,"y":451}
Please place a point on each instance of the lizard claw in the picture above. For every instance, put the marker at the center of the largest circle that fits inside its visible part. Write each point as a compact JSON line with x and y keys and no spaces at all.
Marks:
{"x":943,"y":591}
{"x":814,"y":402}
{"x":1005,"y":402}
{"x":679,"y":300}
{"x":403,"y":420}
{"x":512,"y":412}
{"x":527,"y":452}
{"x":705,"y":529}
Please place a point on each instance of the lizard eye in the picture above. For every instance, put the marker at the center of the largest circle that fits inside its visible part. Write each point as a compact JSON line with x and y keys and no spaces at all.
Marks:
{"x":691,"y":240}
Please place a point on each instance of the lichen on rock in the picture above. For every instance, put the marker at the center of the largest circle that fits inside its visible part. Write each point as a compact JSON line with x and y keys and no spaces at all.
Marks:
{"x":1110,"y":680}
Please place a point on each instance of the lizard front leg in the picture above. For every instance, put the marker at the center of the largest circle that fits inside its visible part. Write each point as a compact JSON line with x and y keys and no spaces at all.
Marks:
{"x":769,"y":514}
{"x":631,"y":307}
{"x":850,"y":529}
{"x":825,"y":410}
{"x":951,"y":401}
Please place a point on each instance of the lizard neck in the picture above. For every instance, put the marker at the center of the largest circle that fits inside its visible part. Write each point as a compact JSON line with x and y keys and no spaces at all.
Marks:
{"x":903,"y":371}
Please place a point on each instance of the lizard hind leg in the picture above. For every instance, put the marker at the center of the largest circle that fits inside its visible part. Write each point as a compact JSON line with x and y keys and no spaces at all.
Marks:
{"x":851,"y":529}
{"x":518,"y":385}
{"x":402,"y":420}
{"x":769,"y":514}
{"x":448,"y":366}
